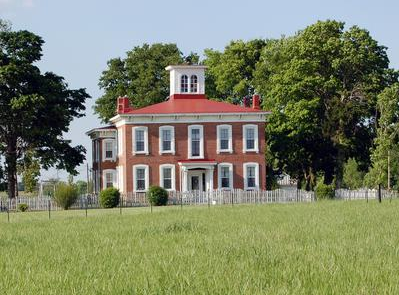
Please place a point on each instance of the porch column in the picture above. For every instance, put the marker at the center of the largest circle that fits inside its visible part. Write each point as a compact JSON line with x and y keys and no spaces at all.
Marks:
{"x":184,"y":186}
{"x":211,"y":178}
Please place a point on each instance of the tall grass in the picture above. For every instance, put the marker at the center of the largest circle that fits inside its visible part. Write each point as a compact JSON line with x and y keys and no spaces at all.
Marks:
{"x":319,"y":248}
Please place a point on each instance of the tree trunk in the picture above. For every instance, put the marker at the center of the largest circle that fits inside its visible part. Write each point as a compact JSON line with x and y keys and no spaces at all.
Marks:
{"x":339,"y":174}
{"x":11,"y":167}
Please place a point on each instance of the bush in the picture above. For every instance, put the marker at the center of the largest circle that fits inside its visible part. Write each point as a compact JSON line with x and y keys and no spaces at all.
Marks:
{"x":109,"y":198}
{"x":157,"y":196}
{"x":324,"y":191}
{"x":65,"y":195}
{"x":23,"y":207}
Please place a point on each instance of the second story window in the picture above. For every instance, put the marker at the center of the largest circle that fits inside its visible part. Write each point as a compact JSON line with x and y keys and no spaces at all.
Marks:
{"x":250,"y":138}
{"x":166,"y":139}
{"x":140,"y":140}
{"x":108,"y":150}
{"x":193,"y":84}
{"x":224,"y":139}
{"x":195,"y":142}
{"x":184,"y":84}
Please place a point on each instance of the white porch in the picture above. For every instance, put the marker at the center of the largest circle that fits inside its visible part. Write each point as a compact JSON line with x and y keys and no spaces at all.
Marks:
{"x":196,"y":175}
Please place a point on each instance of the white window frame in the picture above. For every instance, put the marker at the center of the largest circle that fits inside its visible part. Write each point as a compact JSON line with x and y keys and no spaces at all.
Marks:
{"x":120,"y":141}
{"x":244,"y":138}
{"x":146,"y":174}
{"x":145,"y":129}
{"x":218,"y":135}
{"x":114,"y":180}
{"x":251,"y":164}
{"x":201,"y":128}
{"x":173,"y":175}
{"x":181,"y":83}
{"x":190,"y":83}
{"x":172,"y":144}
{"x":112,"y":141}
{"x":231,"y":177}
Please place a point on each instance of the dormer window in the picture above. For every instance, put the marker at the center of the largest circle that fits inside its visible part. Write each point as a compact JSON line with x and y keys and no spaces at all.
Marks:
{"x":193,"y":84}
{"x":184,"y":84}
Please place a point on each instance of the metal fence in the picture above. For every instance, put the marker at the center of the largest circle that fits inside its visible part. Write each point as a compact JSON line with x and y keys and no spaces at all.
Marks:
{"x":214,"y":197}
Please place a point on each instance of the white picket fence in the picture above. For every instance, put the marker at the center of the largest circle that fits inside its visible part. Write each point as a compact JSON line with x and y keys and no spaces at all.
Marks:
{"x":215,"y":197}
{"x":364,"y":194}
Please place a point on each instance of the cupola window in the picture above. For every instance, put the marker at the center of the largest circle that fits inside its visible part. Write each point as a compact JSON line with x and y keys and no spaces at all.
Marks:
{"x":184,"y":84}
{"x":193,"y":84}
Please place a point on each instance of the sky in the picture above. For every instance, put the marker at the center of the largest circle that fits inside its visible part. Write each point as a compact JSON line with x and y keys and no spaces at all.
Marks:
{"x":81,"y":36}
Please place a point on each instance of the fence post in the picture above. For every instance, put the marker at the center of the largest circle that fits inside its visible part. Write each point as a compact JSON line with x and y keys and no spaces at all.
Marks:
{"x":181,"y":200}
{"x":379,"y":193}
{"x":120,"y":204}
{"x":8,"y":211}
{"x":209,"y":201}
{"x":86,"y":204}
{"x":49,"y":208}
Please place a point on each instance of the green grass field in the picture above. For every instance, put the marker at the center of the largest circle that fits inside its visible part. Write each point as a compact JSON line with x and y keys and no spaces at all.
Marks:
{"x":330,"y":247}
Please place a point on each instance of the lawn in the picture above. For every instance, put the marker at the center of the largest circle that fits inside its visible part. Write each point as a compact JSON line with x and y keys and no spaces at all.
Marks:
{"x":331,"y":247}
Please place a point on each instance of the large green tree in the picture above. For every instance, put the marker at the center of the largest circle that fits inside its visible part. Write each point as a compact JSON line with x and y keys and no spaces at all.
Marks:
{"x":141,"y":76}
{"x":35,"y":108}
{"x":322,"y":86}
{"x":230,"y":72}
{"x":385,"y":154}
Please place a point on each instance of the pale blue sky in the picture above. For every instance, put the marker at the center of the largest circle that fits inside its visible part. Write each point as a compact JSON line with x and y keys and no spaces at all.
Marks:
{"x":82,"y":35}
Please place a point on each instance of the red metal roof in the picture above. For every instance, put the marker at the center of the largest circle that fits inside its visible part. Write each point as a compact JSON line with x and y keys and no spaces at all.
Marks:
{"x":192,"y":103}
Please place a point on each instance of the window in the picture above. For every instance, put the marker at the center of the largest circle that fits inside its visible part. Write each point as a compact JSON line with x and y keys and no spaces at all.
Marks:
{"x":108,"y":149}
{"x":120,"y":141}
{"x":140,"y":178}
{"x":193,"y":84}
{"x":224,"y":139}
{"x":140,"y":140}
{"x":195,"y":142}
{"x":167,"y":176}
{"x":250,"y":138}
{"x":166,"y":139}
{"x":109,"y":178}
{"x":225,"y":175}
{"x":251,"y":176}
{"x":184,"y":84}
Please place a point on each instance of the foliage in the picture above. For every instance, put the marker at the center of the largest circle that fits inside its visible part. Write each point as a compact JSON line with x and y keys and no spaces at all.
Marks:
{"x":321,"y":86}
{"x":157,"y":196}
{"x":386,"y":141}
{"x":3,"y":182}
{"x":65,"y":195}
{"x":36,"y":108}
{"x":352,"y":178}
{"x":109,"y":197}
{"x":5,"y":25}
{"x":29,"y":168}
{"x":23,"y":207}
{"x":230,"y":73}
{"x":141,"y":76}
{"x":324,"y":191}
{"x":178,"y":251}
{"x":82,"y":187}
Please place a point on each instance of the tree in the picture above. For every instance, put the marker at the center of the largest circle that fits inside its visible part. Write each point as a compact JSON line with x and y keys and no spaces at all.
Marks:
{"x":322,"y":86}
{"x":36,"y":109}
{"x":230,"y":73}
{"x":141,"y":76}
{"x":5,"y":26}
{"x":385,"y":154}
{"x":29,"y":168}
{"x":353,"y":177}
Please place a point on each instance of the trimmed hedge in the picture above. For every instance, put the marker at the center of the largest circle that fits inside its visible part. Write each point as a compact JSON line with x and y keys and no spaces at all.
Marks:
{"x":109,"y":198}
{"x":157,"y":196}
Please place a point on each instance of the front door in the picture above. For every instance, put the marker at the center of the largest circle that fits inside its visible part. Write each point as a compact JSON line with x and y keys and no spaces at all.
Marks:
{"x":195,"y":183}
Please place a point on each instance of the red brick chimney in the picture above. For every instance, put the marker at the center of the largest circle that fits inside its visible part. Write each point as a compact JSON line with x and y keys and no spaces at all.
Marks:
{"x":255,"y":102}
{"x":123,"y":105}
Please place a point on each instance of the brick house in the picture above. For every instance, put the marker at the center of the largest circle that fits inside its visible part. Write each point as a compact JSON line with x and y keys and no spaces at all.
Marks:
{"x":185,"y":143}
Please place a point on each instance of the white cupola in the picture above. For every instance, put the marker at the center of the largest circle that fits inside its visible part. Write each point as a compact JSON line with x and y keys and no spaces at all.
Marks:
{"x":187,"y":79}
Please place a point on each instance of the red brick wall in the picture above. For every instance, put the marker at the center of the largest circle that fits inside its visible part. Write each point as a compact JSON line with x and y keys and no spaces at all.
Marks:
{"x":237,"y":158}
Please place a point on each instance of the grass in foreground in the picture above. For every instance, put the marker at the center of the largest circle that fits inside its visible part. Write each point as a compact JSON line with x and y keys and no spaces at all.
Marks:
{"x":319,"y":248}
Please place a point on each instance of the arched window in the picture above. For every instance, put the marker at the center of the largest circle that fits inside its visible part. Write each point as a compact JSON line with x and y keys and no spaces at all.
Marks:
{"x":184,"y":84}
{"x":193,"y":84}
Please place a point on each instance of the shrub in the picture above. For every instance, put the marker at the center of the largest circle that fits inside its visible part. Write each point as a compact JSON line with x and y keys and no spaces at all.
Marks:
{"x":23,"y":207}
{"x":324,"y":191}
{"x":157,"y":196}
{"x":109,"y":198}
{"x":65,"y":195}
